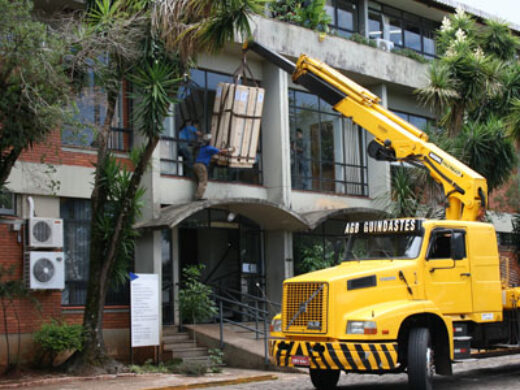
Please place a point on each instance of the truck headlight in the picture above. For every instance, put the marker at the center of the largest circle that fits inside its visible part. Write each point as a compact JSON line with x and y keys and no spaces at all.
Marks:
{"x":361,"y":327}
{"x":276,"y":325}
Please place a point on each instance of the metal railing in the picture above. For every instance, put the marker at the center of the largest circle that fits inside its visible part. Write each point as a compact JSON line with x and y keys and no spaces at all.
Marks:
{"x":241,"y":309}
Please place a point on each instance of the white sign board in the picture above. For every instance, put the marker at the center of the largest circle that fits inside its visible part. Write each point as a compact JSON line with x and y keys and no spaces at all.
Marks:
{"x":144,"y":309}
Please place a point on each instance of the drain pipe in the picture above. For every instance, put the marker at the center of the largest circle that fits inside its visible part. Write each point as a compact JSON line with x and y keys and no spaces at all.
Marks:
{"x":30,"y":201}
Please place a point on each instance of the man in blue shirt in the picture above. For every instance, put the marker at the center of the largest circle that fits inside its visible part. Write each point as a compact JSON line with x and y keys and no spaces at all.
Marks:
{"x":188,"y":135}
{"x":200,"y":168}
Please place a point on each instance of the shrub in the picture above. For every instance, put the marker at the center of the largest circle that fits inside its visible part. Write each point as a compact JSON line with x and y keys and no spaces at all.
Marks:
{"x":310,"y":14}
{"x":410,"y":54}
{"x":195,"y":300}
{"x":161,"y":368}
{"x":216,"y":360}
{"x":191,"y":368}
{"x":55,"y":337}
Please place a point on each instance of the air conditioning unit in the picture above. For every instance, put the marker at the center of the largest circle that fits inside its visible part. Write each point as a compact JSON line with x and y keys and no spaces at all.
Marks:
{"x":44,"y":270}
{"x":384,"y":44}
{"x":45,"y":232}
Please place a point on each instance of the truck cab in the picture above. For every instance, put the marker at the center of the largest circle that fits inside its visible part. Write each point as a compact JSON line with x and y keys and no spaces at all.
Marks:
{"x":393,"y":302}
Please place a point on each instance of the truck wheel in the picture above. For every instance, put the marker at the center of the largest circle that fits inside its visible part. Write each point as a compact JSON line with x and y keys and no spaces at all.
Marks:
{"x":420,"y":360}
{"x":324,"y":379}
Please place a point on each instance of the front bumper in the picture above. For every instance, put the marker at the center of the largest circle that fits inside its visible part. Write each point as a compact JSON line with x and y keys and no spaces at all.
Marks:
{"x":346,"y":356}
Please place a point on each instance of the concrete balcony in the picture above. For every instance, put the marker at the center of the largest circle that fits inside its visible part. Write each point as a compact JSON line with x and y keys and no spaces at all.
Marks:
{"x":366,"y":64}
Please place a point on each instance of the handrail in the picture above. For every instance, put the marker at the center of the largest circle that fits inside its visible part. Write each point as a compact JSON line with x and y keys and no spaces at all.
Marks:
{"x":235,"y":306}
{"x":236,"y":302}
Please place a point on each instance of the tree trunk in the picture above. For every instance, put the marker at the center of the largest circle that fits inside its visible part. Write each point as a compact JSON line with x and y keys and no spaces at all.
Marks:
{"x":7,"y":163}
{"x":456,"y":119}
{"x":103,"y":252}
{"x":6,"y":334}
{"x":93,"y":352}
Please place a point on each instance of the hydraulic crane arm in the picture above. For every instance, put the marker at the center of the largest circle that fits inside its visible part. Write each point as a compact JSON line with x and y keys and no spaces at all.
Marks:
{"x":395,"y":138}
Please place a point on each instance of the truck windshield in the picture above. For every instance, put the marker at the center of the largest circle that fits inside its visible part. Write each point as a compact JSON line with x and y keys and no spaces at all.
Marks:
{"x":382,"y":246}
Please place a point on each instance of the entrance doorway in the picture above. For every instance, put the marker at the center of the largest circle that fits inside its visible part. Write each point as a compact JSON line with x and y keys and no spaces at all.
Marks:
{"x":230,"y":247}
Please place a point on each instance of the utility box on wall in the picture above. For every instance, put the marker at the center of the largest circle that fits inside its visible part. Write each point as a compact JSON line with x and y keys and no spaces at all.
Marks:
{"x":235,"y":123}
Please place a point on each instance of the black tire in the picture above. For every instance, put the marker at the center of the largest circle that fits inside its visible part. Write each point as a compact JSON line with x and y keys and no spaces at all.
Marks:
{"x":324,"y":379}
{"x":420,"y":360}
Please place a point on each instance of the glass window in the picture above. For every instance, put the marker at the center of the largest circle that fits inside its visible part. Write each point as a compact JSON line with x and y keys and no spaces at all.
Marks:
{"x":327,"y":150}
{"x":412,"y":37}
{"x":76,"y":215}
{"x":375,"y":25}
{"x":421,"y":122}
{"x":7,"y":203}
{"x":321,"y":248}
{"x":344,"y":16}
{"x":194,"y":109}
{"x":382,"y":246}
{"x":91,"y":105}
{"x":404,"y":29}
{"x":396,"y":32}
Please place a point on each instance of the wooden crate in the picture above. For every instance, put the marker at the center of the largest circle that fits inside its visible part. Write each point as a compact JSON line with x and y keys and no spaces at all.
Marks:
{"x":237,"y":113}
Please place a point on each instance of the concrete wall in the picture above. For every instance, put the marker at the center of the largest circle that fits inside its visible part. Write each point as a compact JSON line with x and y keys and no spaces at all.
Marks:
{"x":340,"y":53}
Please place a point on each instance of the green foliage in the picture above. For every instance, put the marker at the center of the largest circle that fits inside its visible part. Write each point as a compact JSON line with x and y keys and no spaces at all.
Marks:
{"x":191,"y":368}
{"x":115,"y":181}
{"x":54,"y":337}
{"x":410,"y":54}
{"x":363,"y":40}
{"x":156,"y":84}
{"x":167,"y":367}
{"x":315,"y":257}
{"x":484,"y":146}
{"x":195,"y":300}
{"x":476,"y":80}
{"x":34,"y":84}
{"x":216,"y":360}
{"x":309,"y":14}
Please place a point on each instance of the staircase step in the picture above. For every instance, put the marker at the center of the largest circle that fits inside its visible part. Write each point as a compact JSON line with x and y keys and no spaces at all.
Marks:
{"x":173,"y":330}
{"x":174,"y":338}
{"x":197,"y":359}
{"x":193,"y":352}
{"x":180,"y":346}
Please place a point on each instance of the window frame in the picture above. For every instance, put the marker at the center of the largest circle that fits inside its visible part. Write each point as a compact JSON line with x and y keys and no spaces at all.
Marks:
{"x":445,"y":230}
{"x":177,"y":167}
{"x":8,"y":210}
{"x":120,"y":297}
{"x":427,"y":27}
{"x":361,"y":137}
{"x":334,"y":26}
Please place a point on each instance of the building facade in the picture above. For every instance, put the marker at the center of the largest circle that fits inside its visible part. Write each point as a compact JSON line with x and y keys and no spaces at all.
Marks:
{"x":312,"y":172}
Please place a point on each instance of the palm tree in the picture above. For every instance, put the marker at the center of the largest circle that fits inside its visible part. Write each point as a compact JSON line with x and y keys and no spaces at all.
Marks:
{"x":474,"y":81}
{"x":151,"y":44}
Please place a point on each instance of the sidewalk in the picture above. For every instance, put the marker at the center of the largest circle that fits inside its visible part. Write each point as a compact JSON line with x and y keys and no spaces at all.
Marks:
{"x":228,"y":376}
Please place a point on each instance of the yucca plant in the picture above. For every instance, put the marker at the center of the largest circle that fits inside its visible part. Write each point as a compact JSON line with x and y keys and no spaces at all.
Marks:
{"x":474,"y":88}
{"x":151,"y":44}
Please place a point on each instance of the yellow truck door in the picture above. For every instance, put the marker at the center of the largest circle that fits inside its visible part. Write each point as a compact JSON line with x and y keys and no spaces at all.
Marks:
{"x":448,"y":277}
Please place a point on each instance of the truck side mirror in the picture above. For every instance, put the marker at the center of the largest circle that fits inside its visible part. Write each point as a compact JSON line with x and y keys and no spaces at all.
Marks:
{"x":458,"y":248}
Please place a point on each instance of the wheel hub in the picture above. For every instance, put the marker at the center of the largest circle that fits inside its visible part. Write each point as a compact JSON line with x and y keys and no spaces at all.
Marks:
{"x":430,"y":366}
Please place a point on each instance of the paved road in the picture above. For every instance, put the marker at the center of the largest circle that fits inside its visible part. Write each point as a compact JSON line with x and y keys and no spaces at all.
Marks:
{"x":495,"y":373}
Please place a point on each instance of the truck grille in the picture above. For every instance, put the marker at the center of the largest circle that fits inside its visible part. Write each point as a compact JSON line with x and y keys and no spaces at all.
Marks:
{"x":305,"y":307}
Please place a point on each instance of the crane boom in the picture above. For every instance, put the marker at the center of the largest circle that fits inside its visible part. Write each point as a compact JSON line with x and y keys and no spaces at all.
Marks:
{"x":394,"y":138}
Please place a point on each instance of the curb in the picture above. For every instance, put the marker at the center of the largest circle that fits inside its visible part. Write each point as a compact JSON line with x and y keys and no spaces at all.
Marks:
{"x":64,"y":379}
{"x":215,"y":383}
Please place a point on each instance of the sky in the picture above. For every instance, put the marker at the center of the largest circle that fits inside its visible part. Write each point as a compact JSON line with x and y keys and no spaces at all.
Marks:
{"x":506,"y":9}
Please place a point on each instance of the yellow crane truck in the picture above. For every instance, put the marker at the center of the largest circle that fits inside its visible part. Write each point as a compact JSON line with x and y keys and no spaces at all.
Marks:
{"x":412,"y":295}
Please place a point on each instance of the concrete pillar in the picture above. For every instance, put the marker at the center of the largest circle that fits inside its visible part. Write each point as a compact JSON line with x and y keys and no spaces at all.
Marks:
{"x":148,"y":256}
{"x":363,"y":18}
{"x":278,"y":262}
{"x":379,"y":171}
{"x":275,"y":136}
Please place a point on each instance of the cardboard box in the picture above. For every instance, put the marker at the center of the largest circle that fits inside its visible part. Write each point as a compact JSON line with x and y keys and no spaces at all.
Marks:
{"x":237,"y":113}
